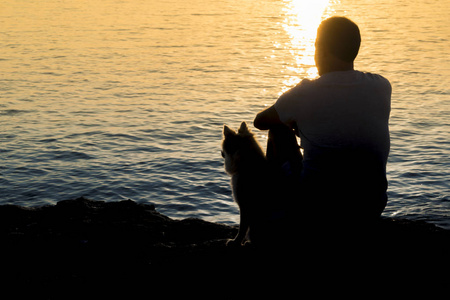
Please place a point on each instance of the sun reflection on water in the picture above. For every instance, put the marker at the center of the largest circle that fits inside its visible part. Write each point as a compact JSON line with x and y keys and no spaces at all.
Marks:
{"x":301,"y":22}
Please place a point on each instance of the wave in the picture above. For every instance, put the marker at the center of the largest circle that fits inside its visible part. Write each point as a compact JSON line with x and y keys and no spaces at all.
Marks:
{"x":69,"y":155}
{"x":14,"y":112}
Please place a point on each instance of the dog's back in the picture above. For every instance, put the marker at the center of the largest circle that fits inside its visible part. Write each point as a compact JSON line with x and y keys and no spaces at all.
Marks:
{"x":246,"y":163}
{"x":261,"y":188}
{"x":252,"y":181}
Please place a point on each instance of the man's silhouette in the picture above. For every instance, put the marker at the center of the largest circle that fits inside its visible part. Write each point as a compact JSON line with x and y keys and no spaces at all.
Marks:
{"x":342,"y":120}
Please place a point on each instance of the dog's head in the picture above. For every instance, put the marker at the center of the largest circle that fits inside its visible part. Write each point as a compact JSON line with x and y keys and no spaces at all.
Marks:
{"x":238,"y":146}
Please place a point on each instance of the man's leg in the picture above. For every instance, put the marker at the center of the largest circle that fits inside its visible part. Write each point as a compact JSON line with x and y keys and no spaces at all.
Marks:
{"x":283,"y":151}
{"x":285,"y":158}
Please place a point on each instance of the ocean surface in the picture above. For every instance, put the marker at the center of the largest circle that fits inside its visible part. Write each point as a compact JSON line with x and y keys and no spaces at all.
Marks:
{"x":126,"y":99}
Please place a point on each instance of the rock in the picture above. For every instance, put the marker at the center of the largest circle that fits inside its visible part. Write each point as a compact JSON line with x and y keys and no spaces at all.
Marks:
{"x":81,"y":241}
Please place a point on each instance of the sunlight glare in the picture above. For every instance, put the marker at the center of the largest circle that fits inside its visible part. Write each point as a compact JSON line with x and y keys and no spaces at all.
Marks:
{"x":302,"y":19}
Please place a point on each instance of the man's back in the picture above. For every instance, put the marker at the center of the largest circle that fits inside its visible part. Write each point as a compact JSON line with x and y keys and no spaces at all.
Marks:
{"x":339,"y":111}
{"x":342,"y":120}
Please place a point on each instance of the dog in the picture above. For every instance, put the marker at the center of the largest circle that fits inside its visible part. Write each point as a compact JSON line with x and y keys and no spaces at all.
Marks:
{"x":246,"y":163}
{"x":260,"y":187}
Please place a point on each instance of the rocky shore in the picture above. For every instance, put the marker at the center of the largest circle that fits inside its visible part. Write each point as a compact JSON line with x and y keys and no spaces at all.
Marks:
{"x":82,"y":241}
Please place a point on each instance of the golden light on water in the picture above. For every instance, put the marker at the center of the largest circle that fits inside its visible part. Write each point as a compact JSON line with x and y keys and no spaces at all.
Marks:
{"x":302,"y":19}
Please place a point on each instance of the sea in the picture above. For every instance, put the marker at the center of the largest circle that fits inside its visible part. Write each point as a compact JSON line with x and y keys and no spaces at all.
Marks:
{"x":126,"y":99}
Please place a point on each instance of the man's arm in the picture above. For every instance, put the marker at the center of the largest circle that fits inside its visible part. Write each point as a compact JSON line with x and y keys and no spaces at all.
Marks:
{"x":267,"y":119}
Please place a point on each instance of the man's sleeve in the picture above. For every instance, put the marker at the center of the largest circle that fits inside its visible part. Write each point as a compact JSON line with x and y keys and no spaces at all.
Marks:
{"x":284,"y":108}
{"x":288,"y":105}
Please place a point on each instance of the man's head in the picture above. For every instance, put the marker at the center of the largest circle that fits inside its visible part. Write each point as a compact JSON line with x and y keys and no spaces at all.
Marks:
{"x":337,"y":44}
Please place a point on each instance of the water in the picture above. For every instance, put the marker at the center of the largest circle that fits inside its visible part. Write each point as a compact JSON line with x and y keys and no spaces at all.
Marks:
{"x":118,"y":100}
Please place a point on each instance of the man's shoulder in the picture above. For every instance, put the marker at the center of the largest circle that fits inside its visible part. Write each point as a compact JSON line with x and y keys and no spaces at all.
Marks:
{"x":318,"y":86}
{"x":373,"y":75}
{"x":376,"y":78}
{"x":303,"y":86}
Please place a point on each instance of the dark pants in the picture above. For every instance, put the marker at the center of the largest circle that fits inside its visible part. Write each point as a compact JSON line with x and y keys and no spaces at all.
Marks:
{"x":283,"y":152}
{"x":323,"y":218}
{"x":353,"y":190}
{"x":285,"y":161}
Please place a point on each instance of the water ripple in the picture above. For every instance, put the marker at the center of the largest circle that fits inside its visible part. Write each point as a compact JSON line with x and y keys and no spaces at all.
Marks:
{"x":105,"y":111}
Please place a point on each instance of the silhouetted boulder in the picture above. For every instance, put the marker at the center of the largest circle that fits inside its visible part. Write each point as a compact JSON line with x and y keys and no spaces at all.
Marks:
{"x":81,"y":241}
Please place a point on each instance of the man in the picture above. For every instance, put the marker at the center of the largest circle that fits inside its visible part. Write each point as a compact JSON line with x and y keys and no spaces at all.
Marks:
{"x":342,"y":120}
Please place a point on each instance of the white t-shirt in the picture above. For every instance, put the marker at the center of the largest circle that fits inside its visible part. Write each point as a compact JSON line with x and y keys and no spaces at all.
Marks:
{"x":340,"y":112}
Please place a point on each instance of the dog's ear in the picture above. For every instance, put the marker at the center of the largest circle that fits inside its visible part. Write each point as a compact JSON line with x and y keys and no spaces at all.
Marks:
{"x":227,"y":131}
{"x":243,"y":130}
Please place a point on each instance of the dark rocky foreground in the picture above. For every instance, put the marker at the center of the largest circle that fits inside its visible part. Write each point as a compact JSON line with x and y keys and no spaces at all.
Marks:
{"x":78,"y":242}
